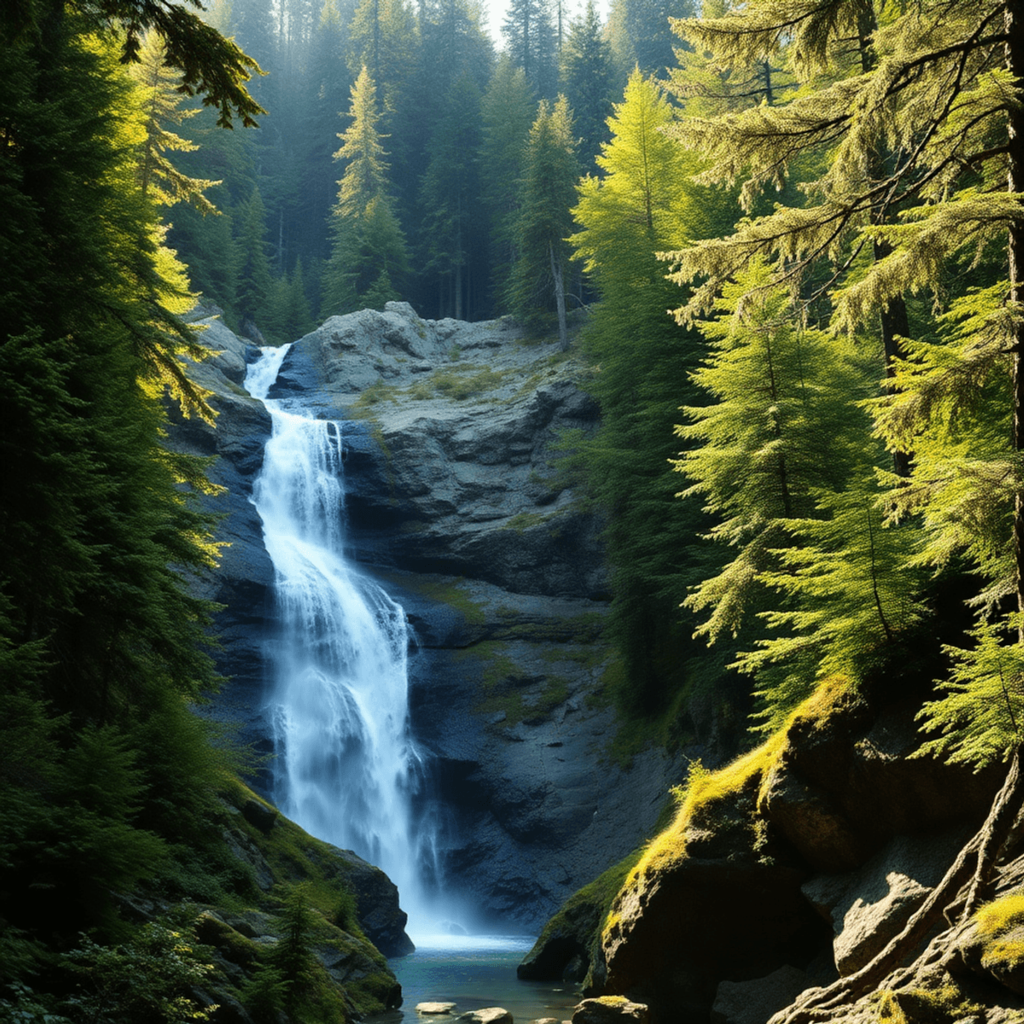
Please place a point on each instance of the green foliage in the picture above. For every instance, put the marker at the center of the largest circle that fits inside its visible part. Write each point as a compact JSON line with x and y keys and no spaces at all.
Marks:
{"x":449,"y":193}
{"x":293,"y":956}
{"x":151,"y":978}
{"x":979,"y":718}
{"x":641,"y":360}
{"x":161,"y":106}
{"x":781,"y":457}
{"x":507,"y":111}
{"x":254,"y":282}
{"x":537,"y":284}
{"x":265,"y":995}
{"x":849,"y":598}
{"x":585,"y":78}
{"x":368,"y":255}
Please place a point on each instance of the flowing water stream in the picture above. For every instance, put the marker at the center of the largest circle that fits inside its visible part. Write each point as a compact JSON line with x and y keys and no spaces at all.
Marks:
{"x":346,"y":767}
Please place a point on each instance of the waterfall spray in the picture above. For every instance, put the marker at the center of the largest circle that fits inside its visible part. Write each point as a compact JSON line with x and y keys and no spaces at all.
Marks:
{"x":346,"y":767}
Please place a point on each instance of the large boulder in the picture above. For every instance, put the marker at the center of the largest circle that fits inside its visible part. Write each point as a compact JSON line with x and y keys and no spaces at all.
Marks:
{"x":845,"y":785}
{"x":610,"y":1010}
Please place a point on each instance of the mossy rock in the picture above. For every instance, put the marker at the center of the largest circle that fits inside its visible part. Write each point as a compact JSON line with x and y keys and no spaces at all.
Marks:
{"x":993,"y":943}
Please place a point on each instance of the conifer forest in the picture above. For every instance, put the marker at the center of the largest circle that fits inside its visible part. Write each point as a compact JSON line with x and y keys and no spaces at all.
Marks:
{"x":779,"y":243}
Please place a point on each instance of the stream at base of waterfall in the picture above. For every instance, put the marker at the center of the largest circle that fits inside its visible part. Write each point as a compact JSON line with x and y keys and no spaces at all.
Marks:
{"x":346,"y":767}
{"x":474,"y":971}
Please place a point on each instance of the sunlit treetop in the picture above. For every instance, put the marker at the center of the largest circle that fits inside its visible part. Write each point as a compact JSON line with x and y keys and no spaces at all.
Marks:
{"x":211,"y":66}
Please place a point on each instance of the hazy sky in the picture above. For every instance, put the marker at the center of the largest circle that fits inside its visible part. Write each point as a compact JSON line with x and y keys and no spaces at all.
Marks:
{"x":494,"y":15}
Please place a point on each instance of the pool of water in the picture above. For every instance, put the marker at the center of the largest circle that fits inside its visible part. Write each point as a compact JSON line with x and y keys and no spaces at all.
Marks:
{"x":474,"y":971}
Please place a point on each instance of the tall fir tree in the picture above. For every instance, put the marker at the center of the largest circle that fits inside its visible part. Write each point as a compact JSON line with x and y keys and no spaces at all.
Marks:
{"x":585,"y":78}
{"x":643,"y":202}
{"x":531,"y":43}
{"x":254,"y":278}
{"x":455,"y":250}
{"x":539,"y":275}
{"x":507,"y":111}
{"x":368,"y":255}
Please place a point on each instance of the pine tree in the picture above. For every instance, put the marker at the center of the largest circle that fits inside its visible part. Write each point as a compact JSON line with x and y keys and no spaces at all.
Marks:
{"x":449,"y":194}
{"x":776,"y":432}
{"x":253,"y":275}
{"x":507,"y":111}
{"x":585,"y":78}
{"x":538,"y":277}
{"x":643,"y":203}
{"x":98,"y":520}
{"x":941,"y":99}
{"x":159,"y":178}
{"x":641,"y":35}
{"x":531,"y":43}
{"x":369,"y":251}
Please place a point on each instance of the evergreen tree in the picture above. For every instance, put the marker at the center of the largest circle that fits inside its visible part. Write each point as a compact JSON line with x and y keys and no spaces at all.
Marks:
{"x":641,"y":35}
{"x":781,"y":429}
{"x":538,"y":276}
{"x":254,"y":278}
{"x":327,"y":85}
{"x":643,"y":203}
{"x":531,"y":43}
{"x":369,"y":252}
{"x":507,"y":111}
{"x":161,"y":106}
{"x":449,"y":195}
{"x":98,"y":521}
{"x":941,"y":98}
{"x":585,"y":77}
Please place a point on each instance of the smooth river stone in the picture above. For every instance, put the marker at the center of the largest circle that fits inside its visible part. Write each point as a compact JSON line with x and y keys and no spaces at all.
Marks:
{"x":436,"y":1009}
{"x":488,"y":1015}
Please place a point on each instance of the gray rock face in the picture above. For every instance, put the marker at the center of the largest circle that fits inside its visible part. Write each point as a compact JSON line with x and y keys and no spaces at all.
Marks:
{"x":870,"y":906}
{"x":454,"y":502}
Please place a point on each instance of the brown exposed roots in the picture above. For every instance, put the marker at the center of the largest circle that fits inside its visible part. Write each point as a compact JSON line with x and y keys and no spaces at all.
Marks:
{"x":968,"y":883}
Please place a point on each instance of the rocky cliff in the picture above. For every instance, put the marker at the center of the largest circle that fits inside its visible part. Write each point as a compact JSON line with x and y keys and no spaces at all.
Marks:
{"x":455,"y":502}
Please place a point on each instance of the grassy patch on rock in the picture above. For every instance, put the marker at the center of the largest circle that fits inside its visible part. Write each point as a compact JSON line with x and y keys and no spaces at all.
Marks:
{"x":451,"y":593}
{"x":506,"y":689}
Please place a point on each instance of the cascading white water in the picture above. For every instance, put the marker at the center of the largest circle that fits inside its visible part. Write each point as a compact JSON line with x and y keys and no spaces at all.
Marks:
{"x":346,"y":766}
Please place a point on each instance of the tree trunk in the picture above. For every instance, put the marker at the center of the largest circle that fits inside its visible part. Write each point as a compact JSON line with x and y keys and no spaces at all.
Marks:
{"x":1013,"y":14}
{"x":556,"y":273}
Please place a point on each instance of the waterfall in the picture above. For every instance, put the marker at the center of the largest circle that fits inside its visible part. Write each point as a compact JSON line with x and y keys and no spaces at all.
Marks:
{"x":346,"y":767}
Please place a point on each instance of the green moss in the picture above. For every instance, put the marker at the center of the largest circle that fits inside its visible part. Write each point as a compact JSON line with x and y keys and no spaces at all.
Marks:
{"x":294,"y":856}
{"x":1001,"y":927}
{"x":576,"y":629}
{"x":523,"y":521}
{"x":588,"y":657}
{"x":451,"y":593}
{"x":371,"y":396}
{"x":504,"y":688}
{"x":942,"y":1005}
{"x":463,"y":384}
{"x":583,"y":912}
